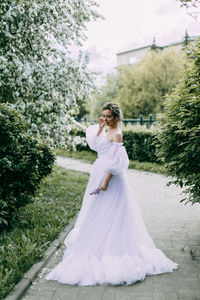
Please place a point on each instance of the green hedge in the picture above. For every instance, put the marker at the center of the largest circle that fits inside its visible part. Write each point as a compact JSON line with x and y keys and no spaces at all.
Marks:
{"x":139,"y":142}
{"x":24,"y":161}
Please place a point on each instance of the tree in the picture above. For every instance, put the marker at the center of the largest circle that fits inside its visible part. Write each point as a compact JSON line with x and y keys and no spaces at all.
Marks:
{"x":189,"y":3}
{"x":186,"y":39}
{"x":179,"y":130}
{"x":107,"y":93}
{"x":192,"y":8}
{"x":143,"y":87}
{"x":37,"y":73}
{"x":154,"y":47}
{"x":82,"y":109}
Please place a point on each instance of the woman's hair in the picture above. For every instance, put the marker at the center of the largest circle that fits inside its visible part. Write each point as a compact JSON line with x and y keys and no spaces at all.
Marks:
{"x":115,"y":108}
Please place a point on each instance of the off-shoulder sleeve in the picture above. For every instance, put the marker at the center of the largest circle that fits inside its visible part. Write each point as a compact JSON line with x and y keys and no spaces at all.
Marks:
{"x":91,"y":136}
{"x":118,"y":161}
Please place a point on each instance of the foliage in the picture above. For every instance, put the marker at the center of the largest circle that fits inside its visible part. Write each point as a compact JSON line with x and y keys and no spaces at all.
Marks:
{"x":179,"y":130}
{"x":186,"y":40}
{"x":138,"y":141}
{"x":107,"y":93}
{"x":38,"y":224}
{"x":37,"y":70}
{"x":82,"y":109}
{"x":189,"y":3}
{"x":24,"y":161}
{"x":192,"y":8}
{"x":144,"y":86}
{"x":140,"y":88}
{"x":154,"y":47}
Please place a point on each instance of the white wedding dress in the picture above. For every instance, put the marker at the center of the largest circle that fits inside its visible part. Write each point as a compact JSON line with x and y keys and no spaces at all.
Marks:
{"x":109,"y":243}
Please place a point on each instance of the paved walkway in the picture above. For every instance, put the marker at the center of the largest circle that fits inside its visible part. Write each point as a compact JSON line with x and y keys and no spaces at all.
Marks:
{"x":175,"y":229}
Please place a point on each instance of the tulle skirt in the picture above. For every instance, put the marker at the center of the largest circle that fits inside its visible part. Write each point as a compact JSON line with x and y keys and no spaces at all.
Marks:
{"x":109,"y":243}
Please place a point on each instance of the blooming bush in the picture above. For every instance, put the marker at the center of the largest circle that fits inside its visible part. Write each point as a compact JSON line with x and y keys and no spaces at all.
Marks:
{"x":39,"y":73}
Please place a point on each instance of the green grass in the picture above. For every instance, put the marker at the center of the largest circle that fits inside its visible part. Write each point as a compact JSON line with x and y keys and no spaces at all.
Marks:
{"x":38,"y":224}
{"x":147,"y":166}
{"x":90,"y":156}
{"x":87,"y":156}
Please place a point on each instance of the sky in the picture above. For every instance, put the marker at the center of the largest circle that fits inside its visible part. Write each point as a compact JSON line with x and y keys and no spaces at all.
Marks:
{"x":129,"y":24}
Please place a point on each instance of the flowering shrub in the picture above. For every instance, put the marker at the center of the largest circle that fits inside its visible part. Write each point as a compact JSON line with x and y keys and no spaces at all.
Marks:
{"x":24,"y":161}
{"x":39,"y":73}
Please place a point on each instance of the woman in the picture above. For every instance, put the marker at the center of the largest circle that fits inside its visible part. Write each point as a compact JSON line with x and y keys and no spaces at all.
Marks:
{"x":109,"y":243}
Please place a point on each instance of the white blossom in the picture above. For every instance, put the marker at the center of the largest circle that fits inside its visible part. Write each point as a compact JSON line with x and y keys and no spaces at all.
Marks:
{"x":43,"y":81}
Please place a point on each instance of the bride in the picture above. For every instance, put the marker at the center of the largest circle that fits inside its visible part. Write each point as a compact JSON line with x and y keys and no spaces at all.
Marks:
{"x":109,"y":243}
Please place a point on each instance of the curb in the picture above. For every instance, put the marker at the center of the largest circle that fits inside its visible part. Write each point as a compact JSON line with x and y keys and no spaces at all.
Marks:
{"x":21,"y":288}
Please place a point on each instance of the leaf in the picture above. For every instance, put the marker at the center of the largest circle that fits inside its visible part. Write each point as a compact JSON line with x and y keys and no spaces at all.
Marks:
{"x":24,"y":238}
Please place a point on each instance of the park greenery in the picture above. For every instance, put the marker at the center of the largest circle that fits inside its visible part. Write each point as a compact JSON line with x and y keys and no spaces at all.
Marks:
{"x":39,"y":74}
{"x":24,"y":161}
{"x":179,"y":130}
{"x":141,"y":88}
{"x":42,"y":83}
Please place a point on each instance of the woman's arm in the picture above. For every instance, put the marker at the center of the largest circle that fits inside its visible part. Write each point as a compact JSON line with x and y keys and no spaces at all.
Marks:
{"x":104,"y":186}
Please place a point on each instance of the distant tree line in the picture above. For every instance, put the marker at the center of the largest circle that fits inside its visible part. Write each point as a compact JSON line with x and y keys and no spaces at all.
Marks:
{"x":141,"y":88}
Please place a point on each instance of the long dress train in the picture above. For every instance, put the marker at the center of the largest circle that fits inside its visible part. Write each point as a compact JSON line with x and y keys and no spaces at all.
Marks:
{"x":109,"y":243}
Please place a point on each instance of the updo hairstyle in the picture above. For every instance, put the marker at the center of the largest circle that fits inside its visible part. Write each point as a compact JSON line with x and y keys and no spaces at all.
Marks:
{"x":116,"y":111}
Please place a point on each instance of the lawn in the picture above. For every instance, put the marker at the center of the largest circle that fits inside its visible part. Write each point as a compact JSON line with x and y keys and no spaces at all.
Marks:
{"x":39,"y":223}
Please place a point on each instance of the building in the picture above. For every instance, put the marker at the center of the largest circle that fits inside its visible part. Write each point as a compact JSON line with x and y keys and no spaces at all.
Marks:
{"x":136,"y":55}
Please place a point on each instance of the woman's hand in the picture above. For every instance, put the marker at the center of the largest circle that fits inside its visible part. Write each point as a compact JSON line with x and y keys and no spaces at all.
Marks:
{"x":101,"y":125}
{"x":101,"y":122}
{"x":104,"y":186}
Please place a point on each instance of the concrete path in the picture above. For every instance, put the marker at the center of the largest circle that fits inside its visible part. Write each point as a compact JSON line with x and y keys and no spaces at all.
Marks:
{"x":175,"y":229}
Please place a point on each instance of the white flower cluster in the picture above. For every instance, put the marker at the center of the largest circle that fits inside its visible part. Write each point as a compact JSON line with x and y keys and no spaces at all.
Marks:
{"x":42,"y":81}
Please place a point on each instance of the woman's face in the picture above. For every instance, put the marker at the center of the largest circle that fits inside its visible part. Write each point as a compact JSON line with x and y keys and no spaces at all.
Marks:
{"x":108,"y":117}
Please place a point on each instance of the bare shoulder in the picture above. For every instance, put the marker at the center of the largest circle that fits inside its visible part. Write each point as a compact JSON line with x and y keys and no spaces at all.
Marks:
{"x":117,"y":138}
